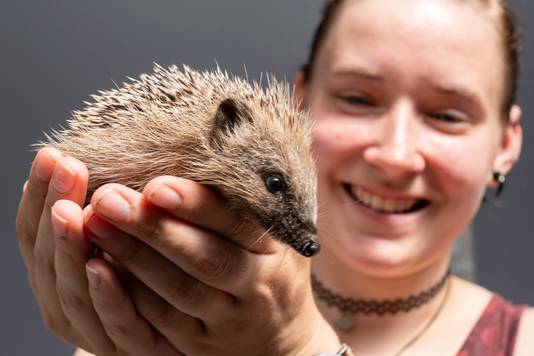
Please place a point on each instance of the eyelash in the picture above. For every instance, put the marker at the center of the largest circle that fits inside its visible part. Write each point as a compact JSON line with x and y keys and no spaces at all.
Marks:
{"x":447,"y":118}
{"x":356,"y":100}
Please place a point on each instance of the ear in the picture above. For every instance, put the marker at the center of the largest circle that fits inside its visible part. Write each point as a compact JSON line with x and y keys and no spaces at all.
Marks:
{"x":300,"y":90}
{"x":511,"y":142}
{"x":230,"y":114}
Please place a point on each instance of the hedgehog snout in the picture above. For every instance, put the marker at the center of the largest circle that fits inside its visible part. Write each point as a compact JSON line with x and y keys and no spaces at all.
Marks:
{"x":310,"y":247}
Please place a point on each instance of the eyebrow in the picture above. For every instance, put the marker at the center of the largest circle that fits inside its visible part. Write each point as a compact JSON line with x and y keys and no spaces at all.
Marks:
{"x":357,"y":72}
{"x":461,"y":93}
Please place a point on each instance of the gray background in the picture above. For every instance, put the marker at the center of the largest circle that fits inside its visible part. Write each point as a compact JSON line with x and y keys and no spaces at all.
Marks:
{"x":55,"y":53}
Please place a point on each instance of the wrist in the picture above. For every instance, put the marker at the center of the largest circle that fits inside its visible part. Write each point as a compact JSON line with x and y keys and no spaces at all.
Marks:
{"x":324,"y":341}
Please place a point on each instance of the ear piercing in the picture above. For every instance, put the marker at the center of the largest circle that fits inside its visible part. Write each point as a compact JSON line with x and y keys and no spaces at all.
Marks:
{"x":499,"y":179}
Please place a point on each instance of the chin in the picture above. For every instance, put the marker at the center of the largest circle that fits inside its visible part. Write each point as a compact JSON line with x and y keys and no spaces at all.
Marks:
{"x":379,"y":257}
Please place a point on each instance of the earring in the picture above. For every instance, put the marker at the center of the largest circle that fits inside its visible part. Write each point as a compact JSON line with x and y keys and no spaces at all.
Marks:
{"x":500,"y":180}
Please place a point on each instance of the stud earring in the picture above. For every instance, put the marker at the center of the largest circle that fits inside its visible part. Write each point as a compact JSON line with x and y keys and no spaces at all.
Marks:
{"x":499,"y":179}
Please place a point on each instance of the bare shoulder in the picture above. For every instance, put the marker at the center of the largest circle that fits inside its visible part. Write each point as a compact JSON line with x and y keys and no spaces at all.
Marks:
{"x":525,"y":341}
{"x":466,"y":303}
{"x":80,"y":352}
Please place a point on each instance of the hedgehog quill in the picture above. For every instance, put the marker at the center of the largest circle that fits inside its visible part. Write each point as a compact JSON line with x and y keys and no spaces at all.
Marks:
{"x":252,"y":146}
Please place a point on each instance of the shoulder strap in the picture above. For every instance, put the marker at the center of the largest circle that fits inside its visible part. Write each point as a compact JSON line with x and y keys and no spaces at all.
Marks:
{"x":495,"y":332}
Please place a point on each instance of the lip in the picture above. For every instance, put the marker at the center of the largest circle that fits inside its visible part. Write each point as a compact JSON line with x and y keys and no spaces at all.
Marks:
{"x":390,"y":216}
{"x":386,"y":194}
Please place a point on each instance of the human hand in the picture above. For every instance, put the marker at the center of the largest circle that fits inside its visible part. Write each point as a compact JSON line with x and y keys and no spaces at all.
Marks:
{"x":52,"y":177}
{"x":214,"y":286}
{"x":64,"y":300}
{"x":55,"y":251}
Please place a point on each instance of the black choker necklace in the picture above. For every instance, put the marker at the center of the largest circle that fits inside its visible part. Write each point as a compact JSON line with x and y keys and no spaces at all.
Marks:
{"x":351,"y":306}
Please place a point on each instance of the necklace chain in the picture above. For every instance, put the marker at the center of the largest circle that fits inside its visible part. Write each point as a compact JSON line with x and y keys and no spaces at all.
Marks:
{"x":427,"y":325}
{"x":379,"y":307}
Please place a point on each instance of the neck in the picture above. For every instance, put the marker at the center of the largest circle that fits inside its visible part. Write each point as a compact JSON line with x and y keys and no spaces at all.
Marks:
{"x":377,"y":283}
{"x":399,"y":282}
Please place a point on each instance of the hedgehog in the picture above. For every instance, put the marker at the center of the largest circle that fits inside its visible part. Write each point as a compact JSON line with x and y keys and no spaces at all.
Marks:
{"x":252,"y":146}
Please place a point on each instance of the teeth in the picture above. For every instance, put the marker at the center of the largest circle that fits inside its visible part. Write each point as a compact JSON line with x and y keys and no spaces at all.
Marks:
{"x":382,"y":204}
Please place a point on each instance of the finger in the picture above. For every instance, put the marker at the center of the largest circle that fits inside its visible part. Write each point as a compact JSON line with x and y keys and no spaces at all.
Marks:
{"x":201,"y":206}
{"x":181,"y":330}
{"x":32,"y":202}
{"x":200,"y":253}
{"x":130,"y":333}
{"x":69,"y":181}
{"x":168,"y":280}
{"x":73,"y":250}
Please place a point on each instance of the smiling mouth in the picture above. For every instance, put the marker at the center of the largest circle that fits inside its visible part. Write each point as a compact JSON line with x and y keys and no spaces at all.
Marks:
{"x":385,"y":205}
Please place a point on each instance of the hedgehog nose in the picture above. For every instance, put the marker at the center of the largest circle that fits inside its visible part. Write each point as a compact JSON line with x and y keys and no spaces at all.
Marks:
{"x":310,"y":248}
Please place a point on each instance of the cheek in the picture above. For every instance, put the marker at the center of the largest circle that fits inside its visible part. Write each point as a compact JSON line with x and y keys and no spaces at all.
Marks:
{"x":337,"y":140}
{"x":460,"y":166}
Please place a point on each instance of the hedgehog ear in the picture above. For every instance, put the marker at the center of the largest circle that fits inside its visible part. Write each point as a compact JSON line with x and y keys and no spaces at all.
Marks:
{"x":230,"y":114}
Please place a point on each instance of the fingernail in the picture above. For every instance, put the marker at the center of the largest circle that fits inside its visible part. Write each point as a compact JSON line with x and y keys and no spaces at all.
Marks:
{"x":99,"y":228}
{"x":113,"y":206}
{"x":165,"y":197}
{"x":60,"y":225}
{"x":63,"y":178}
{"x":25,"y":186}
{"x":92,"y":275}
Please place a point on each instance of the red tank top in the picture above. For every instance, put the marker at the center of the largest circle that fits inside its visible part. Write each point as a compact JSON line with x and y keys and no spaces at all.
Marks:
{"x":495,"y":332}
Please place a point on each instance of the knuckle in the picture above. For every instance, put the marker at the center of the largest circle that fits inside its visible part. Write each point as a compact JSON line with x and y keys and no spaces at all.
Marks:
{"x":153,"y":230}
{"x":152,"y":226}
{"x":104,"y":304}
{"x":70,"y":301}
{"x":25,"y":237}
{"x":131,"y":252}
{"x":263,"y":294}
{"x":36,"y":190}
{"x":214,"y":262}
{"x":118,"y":330}
{"x":161,"y":316}
{"x":44,"y":267}
{"x":67,"y":257}
{"x":191,"y":292}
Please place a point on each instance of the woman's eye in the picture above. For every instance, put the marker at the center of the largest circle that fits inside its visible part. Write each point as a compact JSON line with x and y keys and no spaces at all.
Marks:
{"x":451,"y":121}
{"x":356,"y":100}
{"x":448,"y":118}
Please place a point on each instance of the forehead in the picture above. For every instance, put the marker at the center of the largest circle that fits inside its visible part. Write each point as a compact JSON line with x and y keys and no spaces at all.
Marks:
{"x":453,"y":42}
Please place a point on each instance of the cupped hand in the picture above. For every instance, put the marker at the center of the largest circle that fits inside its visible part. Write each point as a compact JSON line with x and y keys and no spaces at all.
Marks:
{"x":54,"y":177}
{"x":55,"y":251}
{"x":217,"y":283}
{"x":225,"y":288}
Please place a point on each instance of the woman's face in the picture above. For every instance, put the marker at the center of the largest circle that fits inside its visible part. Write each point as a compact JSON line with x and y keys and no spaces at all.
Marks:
{"x":406,"y":97}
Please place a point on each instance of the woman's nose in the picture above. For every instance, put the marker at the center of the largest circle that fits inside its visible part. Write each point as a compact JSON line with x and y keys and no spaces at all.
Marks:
{"x":395,"y":149}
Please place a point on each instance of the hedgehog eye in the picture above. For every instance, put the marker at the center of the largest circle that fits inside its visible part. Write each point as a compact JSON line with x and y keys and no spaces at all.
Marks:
{"x":275,"y":184}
